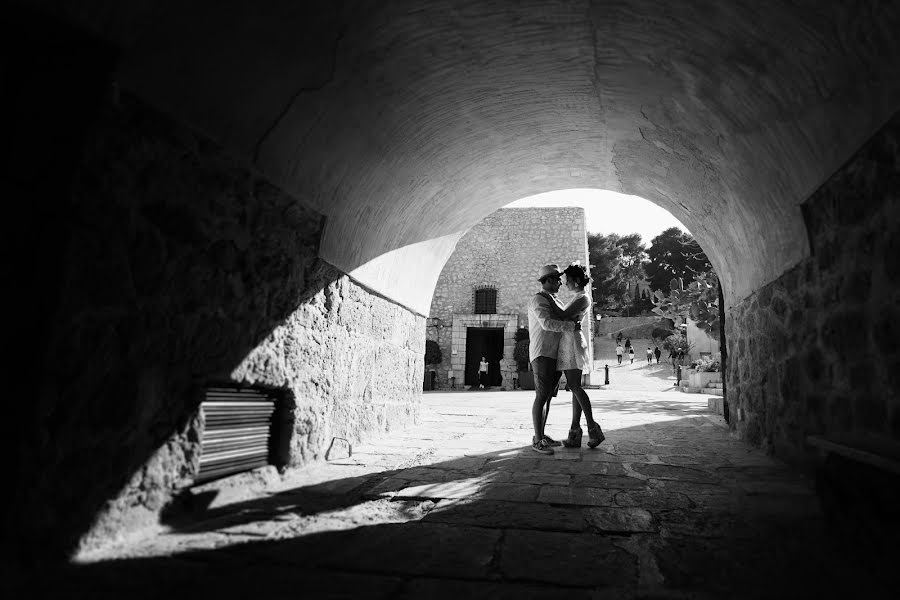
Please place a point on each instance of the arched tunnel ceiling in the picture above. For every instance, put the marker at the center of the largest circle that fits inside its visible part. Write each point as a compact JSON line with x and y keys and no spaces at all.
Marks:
{"x":407,"y":122}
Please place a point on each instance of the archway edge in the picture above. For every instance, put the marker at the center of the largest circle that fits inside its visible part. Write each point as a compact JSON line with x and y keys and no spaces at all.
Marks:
{"x":408,"y":275}
{"x":410,"y":121}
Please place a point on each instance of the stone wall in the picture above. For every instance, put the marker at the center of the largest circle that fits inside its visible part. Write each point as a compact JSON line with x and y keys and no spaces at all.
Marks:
{"x":352,"y":360}
{"x":816,"y":351}
{"x":613,"y":325}
{"x":180,"y":268}
{"x":504,"y":251}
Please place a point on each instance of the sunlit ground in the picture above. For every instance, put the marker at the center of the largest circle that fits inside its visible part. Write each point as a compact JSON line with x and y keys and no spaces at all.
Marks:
{"x":671,"y":505}
{"x":468,"y":446}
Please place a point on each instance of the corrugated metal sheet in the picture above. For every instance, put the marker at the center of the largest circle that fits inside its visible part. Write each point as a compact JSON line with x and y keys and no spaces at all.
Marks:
{"x":237,"y":431}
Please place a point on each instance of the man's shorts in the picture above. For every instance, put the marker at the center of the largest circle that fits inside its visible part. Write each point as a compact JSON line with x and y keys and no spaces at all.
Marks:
{"x":546,"y":377}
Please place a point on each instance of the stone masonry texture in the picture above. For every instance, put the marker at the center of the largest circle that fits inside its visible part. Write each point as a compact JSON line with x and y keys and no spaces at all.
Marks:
{"x":183,"y":269}
{"x":816,"y":351}
{"x":504,"y":252}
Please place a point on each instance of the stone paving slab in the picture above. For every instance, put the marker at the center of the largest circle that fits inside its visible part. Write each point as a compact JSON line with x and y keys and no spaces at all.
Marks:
{"x":554,"y":494}
{"x":502,"y":514}
{"x":670,"y":506}
{"x":455,"y":589}
{"x":621,"y":520}
{"x":582,"y":560}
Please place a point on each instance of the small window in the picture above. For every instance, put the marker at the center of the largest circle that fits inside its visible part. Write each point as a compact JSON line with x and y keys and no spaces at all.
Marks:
{"x":486,"y":301}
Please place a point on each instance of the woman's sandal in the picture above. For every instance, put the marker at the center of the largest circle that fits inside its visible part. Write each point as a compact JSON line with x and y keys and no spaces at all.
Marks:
{"x":596,"y":435}
{"x":574,"y":439}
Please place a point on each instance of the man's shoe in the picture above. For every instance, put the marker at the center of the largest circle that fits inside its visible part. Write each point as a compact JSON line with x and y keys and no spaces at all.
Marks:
{"x":551,"y":442}
{"x":542,"y":447}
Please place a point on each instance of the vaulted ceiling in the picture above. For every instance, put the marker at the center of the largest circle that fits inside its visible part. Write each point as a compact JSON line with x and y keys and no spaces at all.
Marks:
{"x":406,"y":122}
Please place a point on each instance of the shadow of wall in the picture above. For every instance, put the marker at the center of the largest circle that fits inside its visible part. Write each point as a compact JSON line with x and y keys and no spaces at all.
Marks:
{"x":484,"y":523}
{"x":816,"y":351}
{"x":149,"y":264}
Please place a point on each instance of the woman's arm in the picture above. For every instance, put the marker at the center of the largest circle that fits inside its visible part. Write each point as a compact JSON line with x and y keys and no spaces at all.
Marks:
{"x":573,"y":309}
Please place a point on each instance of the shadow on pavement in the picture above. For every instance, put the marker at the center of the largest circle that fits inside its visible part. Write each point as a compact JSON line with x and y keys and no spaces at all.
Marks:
{"x":652,"y":513}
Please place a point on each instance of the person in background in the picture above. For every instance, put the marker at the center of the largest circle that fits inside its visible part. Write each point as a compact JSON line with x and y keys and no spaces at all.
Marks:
{"x":483,"y":374}
{"x":631,"y":353}
{"x":619,"y":352}
{"x":649,"y":356}
{"x":657,"y":353}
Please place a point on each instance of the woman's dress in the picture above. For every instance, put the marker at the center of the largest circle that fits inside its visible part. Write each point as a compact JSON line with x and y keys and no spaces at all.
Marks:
{"x":573,"y":348}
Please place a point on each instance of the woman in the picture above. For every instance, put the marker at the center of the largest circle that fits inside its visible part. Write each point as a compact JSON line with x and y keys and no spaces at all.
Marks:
{"x":483,"y":374}
{"x":573,"y":358}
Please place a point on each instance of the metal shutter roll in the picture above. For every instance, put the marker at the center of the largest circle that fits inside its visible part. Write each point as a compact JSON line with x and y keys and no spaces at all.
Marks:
{"x":236,"y":433}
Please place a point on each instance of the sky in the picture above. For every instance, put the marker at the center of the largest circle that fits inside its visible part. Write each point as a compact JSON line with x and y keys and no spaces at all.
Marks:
{"x":609,"y":212}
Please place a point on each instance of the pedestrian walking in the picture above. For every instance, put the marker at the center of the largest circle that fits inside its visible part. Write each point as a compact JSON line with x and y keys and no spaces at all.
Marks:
{"x":631,"y":354}
{"x":657,"y":353}
{"x":649,"y":356}
{"x":619,"y":352}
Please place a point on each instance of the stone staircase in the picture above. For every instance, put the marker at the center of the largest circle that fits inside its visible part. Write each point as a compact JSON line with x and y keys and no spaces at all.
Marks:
{"x":714,"y":388}
{"x":710,"y":388}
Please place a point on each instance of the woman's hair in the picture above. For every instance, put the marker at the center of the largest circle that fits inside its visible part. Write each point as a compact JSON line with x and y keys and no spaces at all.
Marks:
{"x":577,"y":273}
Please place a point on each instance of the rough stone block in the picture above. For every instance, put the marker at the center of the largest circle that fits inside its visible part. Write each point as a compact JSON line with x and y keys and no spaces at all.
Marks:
{"x":621,"y":520}
{"x":583,"y":496}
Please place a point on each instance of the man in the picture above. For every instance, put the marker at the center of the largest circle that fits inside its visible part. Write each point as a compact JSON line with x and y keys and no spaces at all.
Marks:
{"x":543,"y":349}
{"x":619,"y":352}
{"x":657,"y":352}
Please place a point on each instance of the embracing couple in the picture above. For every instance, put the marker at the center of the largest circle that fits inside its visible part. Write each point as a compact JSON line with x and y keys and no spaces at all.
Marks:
{"x":557,"y":346}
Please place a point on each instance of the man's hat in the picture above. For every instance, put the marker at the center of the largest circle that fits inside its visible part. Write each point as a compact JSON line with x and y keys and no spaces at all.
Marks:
{"x":549,"y":270}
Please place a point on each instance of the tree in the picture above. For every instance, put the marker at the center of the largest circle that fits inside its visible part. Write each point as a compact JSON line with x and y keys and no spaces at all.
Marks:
{"x":674,"y":254}
{"x":642,"y":303}
{"x":676,"y":341}
{"x":699,"y":300}
{"x":616,"y":261}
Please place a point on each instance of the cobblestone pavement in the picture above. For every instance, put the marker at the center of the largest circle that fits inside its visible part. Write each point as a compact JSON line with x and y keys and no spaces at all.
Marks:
{"x":669,"y":506}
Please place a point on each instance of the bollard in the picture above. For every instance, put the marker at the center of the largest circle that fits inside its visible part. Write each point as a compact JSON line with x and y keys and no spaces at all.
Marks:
{"x":606,"y":369}
{"x":678,"y":376}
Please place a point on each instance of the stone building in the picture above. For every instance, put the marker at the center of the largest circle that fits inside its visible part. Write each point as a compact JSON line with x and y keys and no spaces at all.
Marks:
{"x":482,"y":295}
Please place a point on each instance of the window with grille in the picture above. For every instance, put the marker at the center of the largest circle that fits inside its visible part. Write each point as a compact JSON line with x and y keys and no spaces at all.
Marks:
{"x":486,"y":301}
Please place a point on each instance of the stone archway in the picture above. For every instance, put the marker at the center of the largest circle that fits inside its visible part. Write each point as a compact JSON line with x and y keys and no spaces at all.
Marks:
{"x":269,"y":198}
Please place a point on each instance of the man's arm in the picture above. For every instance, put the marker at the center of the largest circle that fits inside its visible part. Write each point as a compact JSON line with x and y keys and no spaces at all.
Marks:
{"x":576,"y":307}
{"x":545,"y":311}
